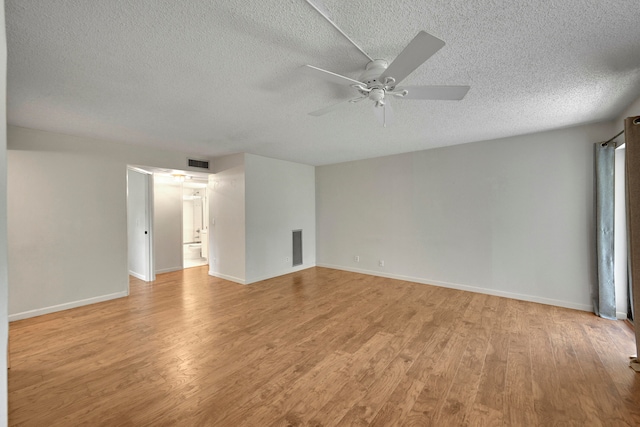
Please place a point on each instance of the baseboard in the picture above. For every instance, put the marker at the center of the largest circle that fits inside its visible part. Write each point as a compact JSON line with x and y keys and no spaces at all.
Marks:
{"x":137,"y":276}
{"x":225,"y":277}
{"x":65,"y":306}
{"x":259,"y":279}
{"x":168,"y":270}
{"x":282,"y":273}
{"x":512,"y":295}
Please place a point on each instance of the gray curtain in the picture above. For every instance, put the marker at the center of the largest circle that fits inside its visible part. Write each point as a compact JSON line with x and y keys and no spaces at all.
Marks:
{"x":632,"y":173}
{"x":604,"y":296}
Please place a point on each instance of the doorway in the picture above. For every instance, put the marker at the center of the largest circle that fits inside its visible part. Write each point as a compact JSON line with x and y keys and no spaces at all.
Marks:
{"x":139,"y":197}
{"x":195,"y":220}
{"x":167,"y":220}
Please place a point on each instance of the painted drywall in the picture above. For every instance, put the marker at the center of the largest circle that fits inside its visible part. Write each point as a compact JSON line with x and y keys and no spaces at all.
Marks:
{"x":227,"y":218}
{"x":511,"y":217}
{"x":4,"y":286}
{"x":280,"y":198}
{"x":137,"y":228}
{"x":167,"y":224}
{"x":67,"y":239}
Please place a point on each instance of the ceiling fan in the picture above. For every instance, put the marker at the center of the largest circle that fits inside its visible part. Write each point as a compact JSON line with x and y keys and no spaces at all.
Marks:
{"x":379,"y":80}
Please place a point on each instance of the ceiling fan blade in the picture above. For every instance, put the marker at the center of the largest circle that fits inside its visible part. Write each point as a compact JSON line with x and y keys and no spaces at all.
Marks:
{"x":384,"y":113}
{"x":337,"y":106}
{"x":322,"y":10}
{"x":450,"y":93}
{"x":421,"y":48}
{"x":330,"y":76}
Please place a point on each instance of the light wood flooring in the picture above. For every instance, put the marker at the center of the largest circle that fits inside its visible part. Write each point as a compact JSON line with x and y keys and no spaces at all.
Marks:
{"x":320,"y":347}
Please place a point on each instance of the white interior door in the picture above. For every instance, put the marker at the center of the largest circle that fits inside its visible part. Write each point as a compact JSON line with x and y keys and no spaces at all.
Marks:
{"x":139,"y":224}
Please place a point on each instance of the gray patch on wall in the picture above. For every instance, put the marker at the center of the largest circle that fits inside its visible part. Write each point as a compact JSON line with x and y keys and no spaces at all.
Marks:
{"x":297,"y":247}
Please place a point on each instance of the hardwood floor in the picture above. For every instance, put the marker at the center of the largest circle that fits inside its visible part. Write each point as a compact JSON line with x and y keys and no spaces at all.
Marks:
{"x":320,"y":347}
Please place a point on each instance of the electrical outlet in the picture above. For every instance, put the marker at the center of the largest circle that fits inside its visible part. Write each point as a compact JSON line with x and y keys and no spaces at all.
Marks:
{"x":287,"y":259}
{"x":381,"y":263}
{"x":356,"y":258}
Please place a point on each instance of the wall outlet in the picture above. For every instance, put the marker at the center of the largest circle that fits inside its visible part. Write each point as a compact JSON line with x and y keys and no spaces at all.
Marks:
{"x":356,"y":258}
{"x":287,"y":259}
{"x":381,"y":263}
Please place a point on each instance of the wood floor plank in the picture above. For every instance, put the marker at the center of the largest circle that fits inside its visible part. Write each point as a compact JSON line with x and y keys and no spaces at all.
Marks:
{"x":438,"y":382}
{"x":519,"y":409}
{"x":459,"y":399}
{"x":319,"y":347}
{"x":489,"y":401}
{"x":399,"y":404}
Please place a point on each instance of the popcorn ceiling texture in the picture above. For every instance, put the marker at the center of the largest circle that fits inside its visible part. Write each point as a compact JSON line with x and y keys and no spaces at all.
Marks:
{"x":219,"y":76}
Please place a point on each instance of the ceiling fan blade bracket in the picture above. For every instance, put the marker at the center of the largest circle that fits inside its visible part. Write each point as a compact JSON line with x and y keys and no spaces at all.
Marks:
{"x":400,"y":94}
{"x":363,"y":89}
{"x":390,"y":82}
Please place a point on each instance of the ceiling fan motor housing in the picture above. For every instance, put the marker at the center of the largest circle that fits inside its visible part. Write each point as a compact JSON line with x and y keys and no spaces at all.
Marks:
{"x":372,"y":71}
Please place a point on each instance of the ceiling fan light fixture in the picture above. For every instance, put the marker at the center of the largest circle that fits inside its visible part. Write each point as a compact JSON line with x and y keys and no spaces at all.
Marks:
{"x":376,"y":95}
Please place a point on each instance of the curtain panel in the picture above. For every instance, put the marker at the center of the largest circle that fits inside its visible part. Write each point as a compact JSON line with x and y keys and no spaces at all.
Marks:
{"x":604,"y":294}
{"x":632,"y":174}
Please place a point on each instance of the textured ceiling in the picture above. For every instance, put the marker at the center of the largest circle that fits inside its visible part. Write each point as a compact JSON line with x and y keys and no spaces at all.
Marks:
{"x":219,"y":76}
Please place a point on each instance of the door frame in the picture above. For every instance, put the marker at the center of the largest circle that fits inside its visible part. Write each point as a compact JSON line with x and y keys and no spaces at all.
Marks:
{"x":149,"y":263}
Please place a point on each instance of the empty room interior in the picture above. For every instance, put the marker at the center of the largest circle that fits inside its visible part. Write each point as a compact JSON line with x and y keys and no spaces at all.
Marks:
{"x":315,"y":212}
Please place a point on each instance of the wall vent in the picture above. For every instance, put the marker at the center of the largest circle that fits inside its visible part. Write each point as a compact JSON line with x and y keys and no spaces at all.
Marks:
{"x":202,"y":164}
{"x":297,"y":247}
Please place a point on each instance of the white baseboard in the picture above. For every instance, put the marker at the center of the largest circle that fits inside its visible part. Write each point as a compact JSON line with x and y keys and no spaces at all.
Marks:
{"x":282,"y":273}
{"x":65,"y":306}
{"x":168,"y":270}
{"x":512,"y":295}
{"x":225,"y":277}
{"x":266,"y":277}
{"x":137,"y":275}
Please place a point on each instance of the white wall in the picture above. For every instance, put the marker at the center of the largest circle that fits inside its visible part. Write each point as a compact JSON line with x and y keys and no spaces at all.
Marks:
{"x":167,"y":224}
{"x":280,"y":198}
{"x":510,"y":217}
{"x":227,"y":219}
{"x":68,"y":237}
{"x":255,"y":204}
{"x":4,"y":286}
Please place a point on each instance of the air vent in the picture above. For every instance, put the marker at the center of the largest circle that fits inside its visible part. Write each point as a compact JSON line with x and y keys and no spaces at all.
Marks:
{"x":202,"y":164}
{"x":297,"y":247}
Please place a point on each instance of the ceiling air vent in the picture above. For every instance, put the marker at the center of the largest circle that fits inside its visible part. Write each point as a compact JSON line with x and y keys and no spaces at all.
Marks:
{"x":202,"y":164}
